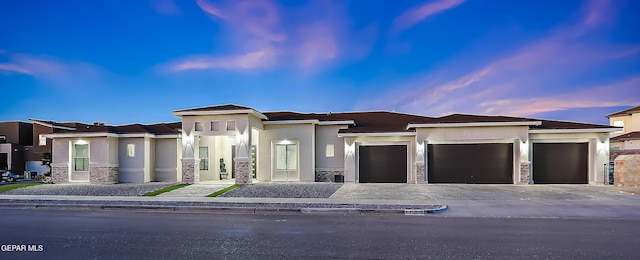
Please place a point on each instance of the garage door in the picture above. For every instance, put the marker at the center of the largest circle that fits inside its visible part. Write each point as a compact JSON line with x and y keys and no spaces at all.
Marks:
{"x":383,"y":164}
{"x":470,"y":163}
{"x":559,"y":163}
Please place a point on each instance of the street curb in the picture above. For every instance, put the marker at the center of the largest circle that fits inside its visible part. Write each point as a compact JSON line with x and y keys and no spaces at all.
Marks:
{"x":204,"y":209}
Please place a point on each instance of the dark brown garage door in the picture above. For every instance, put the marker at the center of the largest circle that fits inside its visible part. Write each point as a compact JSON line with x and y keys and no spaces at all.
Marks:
{"x":470,"y":163}
{"x":383,"y":164}
{"x":560,"y":163}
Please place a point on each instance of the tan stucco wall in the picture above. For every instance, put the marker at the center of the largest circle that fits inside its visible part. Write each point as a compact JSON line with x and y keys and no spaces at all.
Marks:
{"x":131,"y":168}
{"x":302,"y":133}
{"x":329,"y":135}
{"x":631,"y":144}
{"x":631,"y":123}
{"x":166,"y":159}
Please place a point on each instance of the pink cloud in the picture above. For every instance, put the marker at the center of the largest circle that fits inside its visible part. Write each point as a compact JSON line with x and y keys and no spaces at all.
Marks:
{"x":254,"y":60}
{"x":317,"y":44}
{"x":263,"y":35}
{"x":14,"y":68}
{"x":597,"y":12}
{"x":518,"y":83}
{"x":259,"y":18}
{"x":166,"y":7}
{"x":50,"y":69}
{"x":417,"y":14}
{"x":620,"y":93}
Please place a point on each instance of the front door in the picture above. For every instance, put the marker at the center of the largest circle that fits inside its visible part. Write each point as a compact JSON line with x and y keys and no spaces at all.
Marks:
{"x":253,"y":161}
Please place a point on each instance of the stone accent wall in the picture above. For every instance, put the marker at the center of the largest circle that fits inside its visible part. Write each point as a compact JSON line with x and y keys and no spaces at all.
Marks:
{"x":243,"y":170}
{"x":627,"y":171}
{"x":327,"y":175}
{"x":420,"y":173}
{"x":188,"y":170}
{"x":615,"y":153}
{"x":525,"y":173}
{"x":59,"y":174}
{"x":103,"y":174}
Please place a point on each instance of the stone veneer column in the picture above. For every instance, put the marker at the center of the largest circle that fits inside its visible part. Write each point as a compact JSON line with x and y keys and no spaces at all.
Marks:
{"x":243,"y":170}
{"x":525,"y":173}
{"x":420,"y":174}
{"x":188,"y":170}
{"x":103,"y":174}
{"x":59,"y":174}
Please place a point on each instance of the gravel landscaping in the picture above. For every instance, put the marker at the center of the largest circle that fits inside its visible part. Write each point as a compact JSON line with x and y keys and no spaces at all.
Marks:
{"x":122,"y":189}
{"x":284,"y":190}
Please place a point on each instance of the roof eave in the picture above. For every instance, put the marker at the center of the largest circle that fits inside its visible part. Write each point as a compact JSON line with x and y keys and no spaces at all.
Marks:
{"x":291,"y":122}
{"x":41,"y":122}
{"x":219,"y":112}
{"x":580,"y":130}
{"x":377,"y":134}
{"x":471,"y":124}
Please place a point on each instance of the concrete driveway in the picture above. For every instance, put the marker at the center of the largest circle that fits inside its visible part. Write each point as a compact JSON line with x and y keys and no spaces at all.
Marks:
{"x":473,"y":200}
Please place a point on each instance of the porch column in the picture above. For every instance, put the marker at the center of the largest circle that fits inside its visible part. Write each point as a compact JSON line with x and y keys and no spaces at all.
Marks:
{"x":420,"y":171}
{"x":350,"y":159}
{"x":189,"y":168}
{"x":242,"y":160}
{"x":525,"y":163}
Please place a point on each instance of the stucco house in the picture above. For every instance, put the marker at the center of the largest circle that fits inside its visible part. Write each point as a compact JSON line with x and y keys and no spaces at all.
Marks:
{"x":628,"y":138}
{"x":241,"y":143}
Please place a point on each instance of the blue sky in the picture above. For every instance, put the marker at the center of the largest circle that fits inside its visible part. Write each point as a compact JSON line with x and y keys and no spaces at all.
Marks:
{"x":122,"y":62}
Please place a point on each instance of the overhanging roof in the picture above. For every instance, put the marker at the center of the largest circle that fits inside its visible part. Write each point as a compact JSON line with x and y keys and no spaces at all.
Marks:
{"x":218,"y":110}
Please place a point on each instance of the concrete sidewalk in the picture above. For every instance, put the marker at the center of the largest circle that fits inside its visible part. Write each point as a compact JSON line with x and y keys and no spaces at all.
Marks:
{"x":195,"y":190}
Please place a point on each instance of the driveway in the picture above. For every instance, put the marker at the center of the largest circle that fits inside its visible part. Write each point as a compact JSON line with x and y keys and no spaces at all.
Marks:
{"x":472,"y":200}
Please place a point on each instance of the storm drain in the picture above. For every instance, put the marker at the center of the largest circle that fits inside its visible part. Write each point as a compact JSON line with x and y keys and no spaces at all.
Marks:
{"x":414,"y":212}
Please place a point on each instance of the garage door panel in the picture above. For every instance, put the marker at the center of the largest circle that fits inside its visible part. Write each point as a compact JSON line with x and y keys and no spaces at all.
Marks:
{"x":470,"y":163}
{"x":560,"y":163}
{"x":383,"y":164}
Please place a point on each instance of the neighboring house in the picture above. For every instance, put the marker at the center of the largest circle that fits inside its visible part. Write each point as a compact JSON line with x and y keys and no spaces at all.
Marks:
{"x":627,"y":140}
{"x":22,"y":145}
{"x":360,"y":147}
{"x":99,"y":153}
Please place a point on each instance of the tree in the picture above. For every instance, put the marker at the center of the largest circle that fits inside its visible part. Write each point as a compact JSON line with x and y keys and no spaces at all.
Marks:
{"x":46,"y":160}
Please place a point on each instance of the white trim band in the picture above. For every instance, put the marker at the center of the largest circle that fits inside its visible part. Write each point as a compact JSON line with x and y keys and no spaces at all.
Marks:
{"x":436,"y":125}
{"x":377,"y":134}
{"x":587,"y":130}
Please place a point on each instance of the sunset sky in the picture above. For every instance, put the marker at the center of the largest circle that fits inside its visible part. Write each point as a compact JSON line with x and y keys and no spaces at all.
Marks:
{"x":122,"y":62}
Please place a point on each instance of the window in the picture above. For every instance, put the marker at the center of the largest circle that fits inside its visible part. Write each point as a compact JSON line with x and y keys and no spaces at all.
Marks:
{"x":199,"y":126}
{"x":42,"y":141}
{"x":215,"y":126}
{"x":204,"y":158}
{"x":131,"y":150}
{"x":286,"y":157}
{"x":81,"y":157}
{"x":329,"y":151}
{"x":231,"y":125}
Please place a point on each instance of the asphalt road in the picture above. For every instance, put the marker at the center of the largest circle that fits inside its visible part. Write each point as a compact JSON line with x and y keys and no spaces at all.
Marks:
{"x":74,"y":234}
